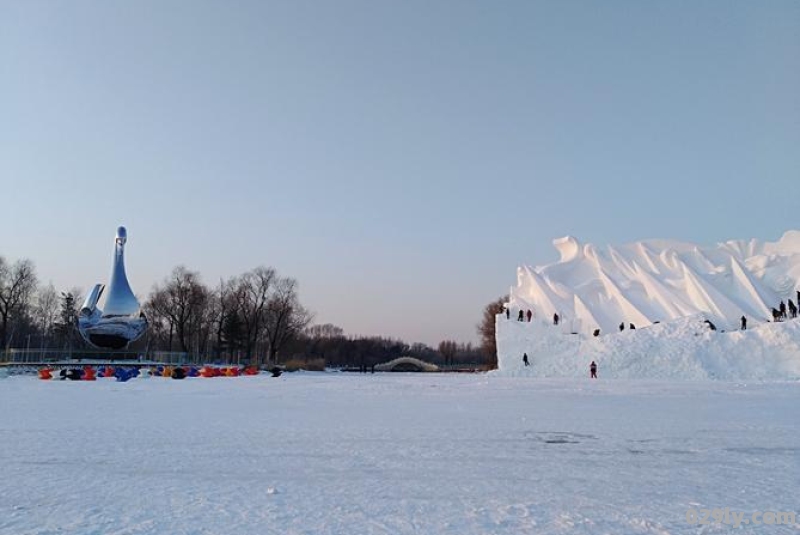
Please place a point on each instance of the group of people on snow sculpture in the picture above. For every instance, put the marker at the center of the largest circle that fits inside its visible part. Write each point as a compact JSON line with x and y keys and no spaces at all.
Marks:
{"x":783,"y":312}
{"x":521,"y":316}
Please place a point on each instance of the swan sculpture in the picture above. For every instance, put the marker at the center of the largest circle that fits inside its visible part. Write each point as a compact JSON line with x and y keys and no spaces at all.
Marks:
{"x":121,"y":321}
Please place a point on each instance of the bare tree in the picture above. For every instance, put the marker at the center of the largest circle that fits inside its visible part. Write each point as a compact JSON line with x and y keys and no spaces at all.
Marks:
{"x":225,"y":314}
{"x":182,"y":303}
{"x":160,"y":328}
{"x":17,"y":287}
{"x":65,"y":328}
{"x":324,"y":331}
{"x":252,"y":294}
{"x":285,"y":317}
{"x":448,"y":350}
{"x":46,"y":310}
{"x":486,"y":329}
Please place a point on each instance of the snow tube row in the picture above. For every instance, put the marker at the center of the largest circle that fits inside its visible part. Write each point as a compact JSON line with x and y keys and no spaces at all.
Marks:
{"x":125,"y":374}
{"x":87,"y":373}
{"x":232,"y":371}
{"x":73,"y":374}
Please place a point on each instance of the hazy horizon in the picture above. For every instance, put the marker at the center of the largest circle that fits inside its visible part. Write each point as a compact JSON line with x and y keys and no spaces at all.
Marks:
{"x":398,"y":160}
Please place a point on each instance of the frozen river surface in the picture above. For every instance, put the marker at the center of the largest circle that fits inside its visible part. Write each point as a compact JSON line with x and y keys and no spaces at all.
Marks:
{"x":393,"y":454}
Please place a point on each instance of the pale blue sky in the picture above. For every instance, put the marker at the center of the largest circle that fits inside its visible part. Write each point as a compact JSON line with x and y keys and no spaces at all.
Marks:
{"x":400,"y":159}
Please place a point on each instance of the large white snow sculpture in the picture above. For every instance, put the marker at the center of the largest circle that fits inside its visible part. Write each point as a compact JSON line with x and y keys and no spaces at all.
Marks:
{"x":660,"y":280}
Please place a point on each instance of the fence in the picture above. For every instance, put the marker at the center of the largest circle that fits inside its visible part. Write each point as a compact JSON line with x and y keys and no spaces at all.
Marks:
{"x":30,"y":356}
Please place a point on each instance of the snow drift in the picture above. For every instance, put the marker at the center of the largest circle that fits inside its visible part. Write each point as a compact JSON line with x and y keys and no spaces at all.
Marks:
{"x":667,"y":289}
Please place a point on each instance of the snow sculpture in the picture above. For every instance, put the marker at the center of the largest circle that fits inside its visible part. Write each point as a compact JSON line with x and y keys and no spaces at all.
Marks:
{"x":660,"y":280}
{"x":121,"y":321}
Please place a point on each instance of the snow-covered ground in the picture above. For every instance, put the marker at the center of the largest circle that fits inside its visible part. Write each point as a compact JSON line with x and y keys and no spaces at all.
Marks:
{"x":393,"y":454}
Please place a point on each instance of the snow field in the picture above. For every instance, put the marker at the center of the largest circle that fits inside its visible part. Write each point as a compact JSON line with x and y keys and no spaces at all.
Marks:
{"x":330,"y":453}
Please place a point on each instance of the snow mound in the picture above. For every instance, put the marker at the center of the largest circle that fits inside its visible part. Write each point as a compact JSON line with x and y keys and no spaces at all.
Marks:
{"x":685,"y":348}
{"x":660,"y":280}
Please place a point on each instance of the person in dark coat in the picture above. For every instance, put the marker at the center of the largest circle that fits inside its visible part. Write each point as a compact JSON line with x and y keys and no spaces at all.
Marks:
{"x":631,"y":326}
{"x":520,"y":316}
{"x":792,"y":309}
{"x":530,"y":315}
{"x":593,"y":370}
{"x":525,"y":359}
{"x":508,"y":313}
{"x":622,"y":326}
{"x":555,"y":318}
{"x":744,"y":323}
{"x":710,"y":325}
{"x":782,"y":308}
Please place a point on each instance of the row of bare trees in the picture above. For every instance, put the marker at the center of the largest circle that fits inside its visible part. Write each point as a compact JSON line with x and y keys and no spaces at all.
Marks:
{"x":29,"y":311}
{"x":330,"y":344}
{"x":250,"y":317}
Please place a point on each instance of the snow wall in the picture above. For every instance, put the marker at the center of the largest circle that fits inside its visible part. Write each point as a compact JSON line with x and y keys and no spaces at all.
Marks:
{"x":679,"y":349}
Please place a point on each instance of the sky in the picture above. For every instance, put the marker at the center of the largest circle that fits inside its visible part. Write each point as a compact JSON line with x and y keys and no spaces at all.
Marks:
{"x":399,"y":159}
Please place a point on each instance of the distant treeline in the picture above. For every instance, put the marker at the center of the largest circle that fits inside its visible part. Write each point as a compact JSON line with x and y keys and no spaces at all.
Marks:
{"x":328,"y":342}
{"x":255,"y":317}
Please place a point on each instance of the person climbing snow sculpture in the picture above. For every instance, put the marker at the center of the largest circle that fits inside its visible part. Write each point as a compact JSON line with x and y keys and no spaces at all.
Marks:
{"x":792,"y":309}
{"x":744,"y":323}
{"x":525,"y":359}
{"x":593,"y":370}
{"x":622,"y":326}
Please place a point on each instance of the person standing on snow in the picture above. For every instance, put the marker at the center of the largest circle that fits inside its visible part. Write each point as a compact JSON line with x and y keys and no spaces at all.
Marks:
{"x":593,"y":370}
{"x":530,"y":315}
{"x":744,"y":323}
{"x":525,"y":359}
